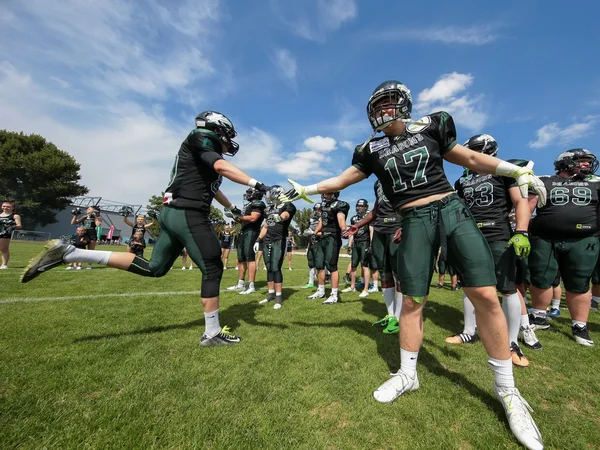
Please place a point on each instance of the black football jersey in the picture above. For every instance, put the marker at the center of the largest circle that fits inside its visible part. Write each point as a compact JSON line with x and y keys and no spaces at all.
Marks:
{"x":571,"y":210}
{"x":362,"y":235}
{"x":194,"y":182}
{"x":7,"y":224}
{"x":278,"y":231}
{"x":386,"y":221}
{"x":226,"y":237}
{"x":411,"y":166}
{"x":329,"y":214}
{"x":489,"y":201}
{"x":314,"y":221}
{"x":254,"y":206}
{"x":136,"y":228}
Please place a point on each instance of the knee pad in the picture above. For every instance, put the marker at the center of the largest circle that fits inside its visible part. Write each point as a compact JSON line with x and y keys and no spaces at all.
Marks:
{"x":278,"y":276}
{"x":331,"y":268}
{"x":210,"y":288}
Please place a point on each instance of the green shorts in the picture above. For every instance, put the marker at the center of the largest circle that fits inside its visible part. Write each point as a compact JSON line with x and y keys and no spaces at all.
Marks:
{"x":328,"y":254}
{"x":575,"y":258}
{"x":245,"y":246}
{"x":596,"y":273}
{"x":274,"y":253}
{"x":312,"y":253}
{"x":468,"y":251}
{"x":384,"y":253}
{"x":359,"y":254}
{"x":505,"y":262}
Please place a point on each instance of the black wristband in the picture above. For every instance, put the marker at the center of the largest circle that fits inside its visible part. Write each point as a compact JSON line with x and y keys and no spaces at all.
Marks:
{"x":524,"y":233}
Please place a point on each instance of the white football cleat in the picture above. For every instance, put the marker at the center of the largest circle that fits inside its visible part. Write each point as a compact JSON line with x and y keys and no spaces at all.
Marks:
{"x":397,"y":385}
{"x":349,"y":289}
{"x":277,"y":306}
{"x":250,"y":290}
{"x":364,"y":294}
{"x":237,"y":287}
{"x":520,"y":421}
{"x":318,"y":294}
{"x":331,"y":300}
{"x":52,"y":257}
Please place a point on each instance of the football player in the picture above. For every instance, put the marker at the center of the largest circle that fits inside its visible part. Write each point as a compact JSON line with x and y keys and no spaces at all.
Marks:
{"x":564,"y":239}
{"x":251,"y":224}
{"x":490,"y":199}
{"x":273,"y":240}
{"x":313,"y":244}
{"x":329,"y":230}
{"x":184,"y":220}
{"x":9,"y":221}
{"x":360,"y":243}
{"x":384,"y":246}
{"x":408,"y":160}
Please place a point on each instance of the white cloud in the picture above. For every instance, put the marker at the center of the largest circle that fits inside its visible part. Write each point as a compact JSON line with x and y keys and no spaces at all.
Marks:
{"x":448,"y":94}
{"x":285,"y":64}
{"x":446,"y":87}
{"x":320,"y":144}
{"x":315,"y":20}
{"x":347,"y":144}
{"x":311,"y":161}
{"x":552,"y":133}
{"x":474,"y":35}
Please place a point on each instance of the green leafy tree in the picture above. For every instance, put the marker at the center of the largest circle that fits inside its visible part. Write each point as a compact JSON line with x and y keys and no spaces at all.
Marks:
{"x":37,"y":175}
{"x":302,"y":220}
{"x":154,"y":207}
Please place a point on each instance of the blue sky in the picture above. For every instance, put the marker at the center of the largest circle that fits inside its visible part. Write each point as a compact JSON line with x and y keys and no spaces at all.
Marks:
{"x":118,"y":83}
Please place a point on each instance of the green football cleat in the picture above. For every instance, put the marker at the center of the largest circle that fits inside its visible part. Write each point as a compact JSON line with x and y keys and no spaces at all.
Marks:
{"x":393,"y":326}
{"x":309,"y":286}
{"x":382,"y":323}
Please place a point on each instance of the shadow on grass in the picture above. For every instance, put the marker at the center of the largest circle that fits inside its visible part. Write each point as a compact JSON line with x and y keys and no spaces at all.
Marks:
{"x":444,"y":316}
{"x":232,"y":316}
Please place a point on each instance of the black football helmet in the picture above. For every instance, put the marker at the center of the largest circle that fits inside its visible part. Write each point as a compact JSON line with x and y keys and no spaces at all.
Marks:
{"x":253,"y":194}
{"x":362,"y":206}
{"x":397,"y":94}
{"x":569,"y":161}
{"x":329,"y":197}
{"x":272,"y":196}
{"x":483,"y":143}
{"x":317,"y":207}
{"x":221,"y":126}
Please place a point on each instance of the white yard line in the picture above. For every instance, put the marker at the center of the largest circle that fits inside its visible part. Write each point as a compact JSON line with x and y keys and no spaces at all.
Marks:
{"x":128,"y":294}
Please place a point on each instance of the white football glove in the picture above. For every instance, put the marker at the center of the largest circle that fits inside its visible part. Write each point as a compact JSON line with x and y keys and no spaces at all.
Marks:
{"x":297,"y":192}
{"x":525,"y":180}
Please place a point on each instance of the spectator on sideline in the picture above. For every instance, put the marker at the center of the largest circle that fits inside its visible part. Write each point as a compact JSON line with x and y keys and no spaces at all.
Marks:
{"x":9,"y":221}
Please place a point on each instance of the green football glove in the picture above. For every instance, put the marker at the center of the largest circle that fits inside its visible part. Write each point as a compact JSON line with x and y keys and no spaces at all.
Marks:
{"x":297,"y":192}
{"x":520,"y":243}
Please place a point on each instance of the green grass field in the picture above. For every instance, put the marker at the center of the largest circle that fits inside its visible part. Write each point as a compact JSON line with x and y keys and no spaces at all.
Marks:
{"x":109,"y":360}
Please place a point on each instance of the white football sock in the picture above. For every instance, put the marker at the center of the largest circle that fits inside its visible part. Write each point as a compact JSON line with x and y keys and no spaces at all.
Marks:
{"x":88,"y":256}
{"x":408,"y":362}
{"x":511,"y":305}
{"x":555,"y":303}
{"x":311,"y":276}
{"x":503,"y":372}
{"x":211,"y":321}
{"x":398,"y":307}
{"x":389,"y":297}
{"x":469,"y":316}
{"x":525,"y":320}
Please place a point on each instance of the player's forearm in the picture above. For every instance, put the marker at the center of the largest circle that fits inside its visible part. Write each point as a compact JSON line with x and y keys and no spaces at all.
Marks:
{"x":347,"y":178}
{"x":522,"y":214}
{"x":222,"y":199}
